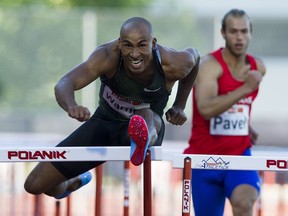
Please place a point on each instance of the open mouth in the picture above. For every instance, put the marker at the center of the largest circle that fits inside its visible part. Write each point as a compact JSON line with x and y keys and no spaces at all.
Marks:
{"x":136,"y":63}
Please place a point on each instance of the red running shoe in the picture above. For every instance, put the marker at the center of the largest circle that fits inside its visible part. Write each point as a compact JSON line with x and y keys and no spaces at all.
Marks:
{"x":138,"y":133}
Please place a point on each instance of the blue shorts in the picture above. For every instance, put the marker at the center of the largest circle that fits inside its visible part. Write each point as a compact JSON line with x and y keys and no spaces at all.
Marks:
{"x":210,"y":188}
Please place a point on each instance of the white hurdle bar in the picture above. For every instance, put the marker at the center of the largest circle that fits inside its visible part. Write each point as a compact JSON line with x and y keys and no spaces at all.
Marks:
{"x":222,"y":162}
{"x":122,"y":153}
{"x":33,"y":154}
{"x":65,"y":154}
{"x":157,"y":153}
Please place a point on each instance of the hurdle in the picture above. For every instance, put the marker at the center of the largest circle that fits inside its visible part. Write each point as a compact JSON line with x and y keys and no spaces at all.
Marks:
{"x":183,"y":161}
{"x":120,"y":153}
{"x":223,"y":162}
{"x":261,"y":163}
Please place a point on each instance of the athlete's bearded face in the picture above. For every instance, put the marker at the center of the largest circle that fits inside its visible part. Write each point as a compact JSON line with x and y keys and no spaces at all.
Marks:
{"x":237,"y":34}
{"x":136,"y":47}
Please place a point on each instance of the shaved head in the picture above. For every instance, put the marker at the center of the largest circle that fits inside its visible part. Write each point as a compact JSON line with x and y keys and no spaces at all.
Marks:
{"x":136,"y":22}
{"x":136,"y":44}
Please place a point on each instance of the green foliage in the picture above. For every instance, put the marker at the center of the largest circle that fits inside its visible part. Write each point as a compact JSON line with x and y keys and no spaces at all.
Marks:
{"x":79,"y":3}
{"x":38,"y":45}
{"x":33,"y":53}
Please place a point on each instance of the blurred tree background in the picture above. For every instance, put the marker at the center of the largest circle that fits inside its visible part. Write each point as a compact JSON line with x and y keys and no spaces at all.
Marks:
{"x":41,"y":42}
{"x":24,"y":37}
{"x":79,"y":3}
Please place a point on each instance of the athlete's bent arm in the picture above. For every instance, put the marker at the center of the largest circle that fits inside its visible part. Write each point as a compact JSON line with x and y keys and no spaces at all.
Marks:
{"x":176,"y":115}
{"x":211,"y":104}
{"x":79,"y":77}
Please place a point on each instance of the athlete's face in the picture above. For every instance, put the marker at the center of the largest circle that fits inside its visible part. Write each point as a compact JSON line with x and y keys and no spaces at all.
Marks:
{"x":237,"y":34}
{"x":136,"y":48}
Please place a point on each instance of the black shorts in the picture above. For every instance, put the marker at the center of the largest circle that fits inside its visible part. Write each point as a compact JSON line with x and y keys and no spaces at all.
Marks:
{"x":97,"y":131}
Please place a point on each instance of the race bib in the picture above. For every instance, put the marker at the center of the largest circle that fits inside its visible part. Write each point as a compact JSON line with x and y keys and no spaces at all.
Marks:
{"x":233,"y":122}
{"x":121,"y":105}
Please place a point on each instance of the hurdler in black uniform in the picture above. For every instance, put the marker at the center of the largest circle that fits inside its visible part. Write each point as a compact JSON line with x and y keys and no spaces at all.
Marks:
{"x":129,"y":111}
{"x":119,"y":97}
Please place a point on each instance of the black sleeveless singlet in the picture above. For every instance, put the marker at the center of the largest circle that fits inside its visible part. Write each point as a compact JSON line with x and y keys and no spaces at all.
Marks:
{"x":120,"y":96}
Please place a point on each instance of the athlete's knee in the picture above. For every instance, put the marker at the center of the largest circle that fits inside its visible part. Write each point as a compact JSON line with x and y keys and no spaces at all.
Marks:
{"x":151,"y":118}
{"x":243,"y":199}
{"x":243,"y":207}
{"x":154,"y":123}
{"x":145,"y":113}
{"x":33,"y":185}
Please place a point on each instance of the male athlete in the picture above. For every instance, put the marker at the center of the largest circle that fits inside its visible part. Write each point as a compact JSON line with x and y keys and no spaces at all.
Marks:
{"x":137,"y":76}
{"x":225,"y":89}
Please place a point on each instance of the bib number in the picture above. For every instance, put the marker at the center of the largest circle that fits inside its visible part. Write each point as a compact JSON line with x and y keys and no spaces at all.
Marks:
{"x":233,"y":122}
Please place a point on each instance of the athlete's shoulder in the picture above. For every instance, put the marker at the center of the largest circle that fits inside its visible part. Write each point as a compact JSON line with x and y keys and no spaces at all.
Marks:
{"x":169,"y":54}
{"x":109,"y":49}
{"x":209,"y":67}
{"x":105,"y":58}
{"x":209,"y":60}
{"x":178,"y":60}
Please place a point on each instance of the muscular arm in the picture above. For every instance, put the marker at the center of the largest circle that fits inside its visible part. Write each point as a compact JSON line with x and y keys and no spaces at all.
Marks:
{"x":78,"y":78}
{"x":185,"y":85}
{"x":211,"y":104}
{"x":186,"y":72}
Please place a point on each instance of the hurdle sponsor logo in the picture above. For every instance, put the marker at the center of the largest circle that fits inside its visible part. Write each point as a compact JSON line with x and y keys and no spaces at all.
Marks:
{"x":36,"y":155}
{"x":212,"y":163}
{"x":186,"y":196}
{"x":280,"y":164}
